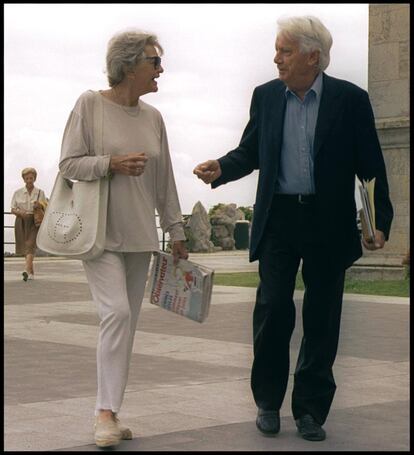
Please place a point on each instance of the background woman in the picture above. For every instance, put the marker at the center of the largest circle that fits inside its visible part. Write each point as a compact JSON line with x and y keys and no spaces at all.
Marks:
{"x":25,"y":231}
{"x":136,"y":159}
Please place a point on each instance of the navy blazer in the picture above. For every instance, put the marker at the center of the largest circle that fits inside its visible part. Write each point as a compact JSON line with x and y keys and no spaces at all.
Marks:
{"x":346,"y":145}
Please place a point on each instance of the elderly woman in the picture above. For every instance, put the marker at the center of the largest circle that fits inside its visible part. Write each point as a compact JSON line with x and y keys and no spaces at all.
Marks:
{"x":24,"y":228}
{"x":137,"y":160}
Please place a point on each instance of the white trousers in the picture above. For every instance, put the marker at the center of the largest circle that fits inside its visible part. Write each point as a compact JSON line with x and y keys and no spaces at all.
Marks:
{"x":117,"y":283}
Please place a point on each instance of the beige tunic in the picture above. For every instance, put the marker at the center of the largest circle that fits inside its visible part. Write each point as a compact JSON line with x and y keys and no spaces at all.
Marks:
{"x":133,"y":200}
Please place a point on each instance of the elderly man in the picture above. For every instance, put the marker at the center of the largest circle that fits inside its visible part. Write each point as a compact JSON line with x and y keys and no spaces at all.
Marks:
{"x":309,"y":135}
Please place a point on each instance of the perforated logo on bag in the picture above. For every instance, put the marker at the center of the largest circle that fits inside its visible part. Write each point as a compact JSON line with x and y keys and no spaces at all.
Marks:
{"x":64,"y":227}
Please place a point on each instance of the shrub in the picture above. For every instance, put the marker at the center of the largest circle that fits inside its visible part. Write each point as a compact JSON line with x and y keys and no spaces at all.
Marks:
{"x":248,"y":213}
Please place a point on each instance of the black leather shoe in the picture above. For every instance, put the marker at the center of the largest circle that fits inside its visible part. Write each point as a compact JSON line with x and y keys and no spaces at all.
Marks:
{"x":310,"y":429}
{"x":268,"y":422}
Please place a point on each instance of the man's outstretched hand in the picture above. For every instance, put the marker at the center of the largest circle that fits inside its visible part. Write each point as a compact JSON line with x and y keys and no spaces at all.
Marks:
{"x":208,"y":171}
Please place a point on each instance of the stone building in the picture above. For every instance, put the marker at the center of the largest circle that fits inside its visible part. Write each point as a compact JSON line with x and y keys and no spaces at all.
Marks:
{"x":389,"y":91}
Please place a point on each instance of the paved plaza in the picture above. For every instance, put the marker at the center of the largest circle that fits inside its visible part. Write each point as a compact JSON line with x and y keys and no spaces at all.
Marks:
{"x":189,"y":383}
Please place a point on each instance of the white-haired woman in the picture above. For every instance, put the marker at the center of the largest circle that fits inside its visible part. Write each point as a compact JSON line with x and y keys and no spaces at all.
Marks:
{"x":136,"y":158}
{"x":25,"y":231}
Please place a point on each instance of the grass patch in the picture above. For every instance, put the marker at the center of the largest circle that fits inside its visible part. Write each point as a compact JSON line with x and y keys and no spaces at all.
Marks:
{"x":397,"y":288}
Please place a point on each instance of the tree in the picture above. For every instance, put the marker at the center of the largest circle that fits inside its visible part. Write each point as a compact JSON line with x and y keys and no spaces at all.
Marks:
{"x":248,"y":213}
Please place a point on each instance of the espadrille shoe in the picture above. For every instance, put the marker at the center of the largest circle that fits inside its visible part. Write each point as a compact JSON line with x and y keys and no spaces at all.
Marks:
{"x":107,"y":432}
{"x":126,"y":433}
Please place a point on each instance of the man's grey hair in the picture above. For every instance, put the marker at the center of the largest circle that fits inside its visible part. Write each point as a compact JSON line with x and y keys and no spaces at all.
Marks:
{"x":125,"y":50}
{"x":311,"y":34}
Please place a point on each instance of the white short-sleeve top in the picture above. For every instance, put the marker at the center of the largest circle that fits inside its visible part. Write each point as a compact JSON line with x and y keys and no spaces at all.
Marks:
{"x":22,"y":199}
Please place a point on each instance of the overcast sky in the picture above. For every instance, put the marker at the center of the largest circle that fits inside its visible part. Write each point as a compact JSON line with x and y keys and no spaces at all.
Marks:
{"x":215,"y":54}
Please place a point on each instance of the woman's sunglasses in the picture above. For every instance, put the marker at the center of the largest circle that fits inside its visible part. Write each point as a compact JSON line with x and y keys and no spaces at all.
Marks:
{"x":155,"y":60}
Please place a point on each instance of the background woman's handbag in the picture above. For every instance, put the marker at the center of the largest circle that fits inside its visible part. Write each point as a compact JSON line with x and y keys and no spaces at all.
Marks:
{"x":38,"y":211}
{"x":74,"y":224}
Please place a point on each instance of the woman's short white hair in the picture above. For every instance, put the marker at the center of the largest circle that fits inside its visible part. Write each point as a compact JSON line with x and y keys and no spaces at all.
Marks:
{"x":29,"y":170}
{"x":311,"y":34}
{"x":125,"y":50}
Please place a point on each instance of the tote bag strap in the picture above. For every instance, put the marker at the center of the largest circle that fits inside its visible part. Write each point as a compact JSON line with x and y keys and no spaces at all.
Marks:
{"x":98,"y":124}
{"x":97,"y":128}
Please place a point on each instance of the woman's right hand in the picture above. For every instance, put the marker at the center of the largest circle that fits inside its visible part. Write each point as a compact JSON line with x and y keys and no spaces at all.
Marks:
{"x":131,"y":164}
{"x":21,"y":213}
{"x":17,"y":212}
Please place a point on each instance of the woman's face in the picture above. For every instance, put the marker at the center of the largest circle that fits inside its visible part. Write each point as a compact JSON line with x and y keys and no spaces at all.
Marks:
{"x":29,"y":180}
{"x":145,"y":73}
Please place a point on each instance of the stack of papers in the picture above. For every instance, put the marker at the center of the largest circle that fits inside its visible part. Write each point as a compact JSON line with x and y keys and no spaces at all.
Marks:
{"x":367,"y":213}
{"x":184,"y":288}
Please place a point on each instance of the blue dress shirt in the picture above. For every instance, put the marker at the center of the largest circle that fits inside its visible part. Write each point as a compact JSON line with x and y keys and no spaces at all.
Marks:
{"x":297,"y":154}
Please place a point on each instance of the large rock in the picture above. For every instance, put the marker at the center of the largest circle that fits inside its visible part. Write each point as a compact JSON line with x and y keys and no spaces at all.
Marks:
{"x":198,"y":231}
{"x":223,"y":220}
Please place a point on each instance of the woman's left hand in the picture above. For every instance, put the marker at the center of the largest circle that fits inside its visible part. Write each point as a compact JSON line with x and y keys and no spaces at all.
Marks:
{"x":179,"y":251}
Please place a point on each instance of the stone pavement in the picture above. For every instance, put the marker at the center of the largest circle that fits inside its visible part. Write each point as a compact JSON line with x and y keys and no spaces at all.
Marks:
{"x":188,"y":386}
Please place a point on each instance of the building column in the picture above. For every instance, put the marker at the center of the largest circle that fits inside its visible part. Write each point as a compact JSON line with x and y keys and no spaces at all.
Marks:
{"x":389,"y":91}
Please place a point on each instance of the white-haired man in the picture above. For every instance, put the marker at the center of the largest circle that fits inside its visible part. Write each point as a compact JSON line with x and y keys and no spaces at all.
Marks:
{"x":309,"y":135}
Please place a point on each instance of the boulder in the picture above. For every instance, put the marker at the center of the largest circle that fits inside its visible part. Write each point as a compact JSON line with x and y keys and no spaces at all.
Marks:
{"x":198,"y":231}
{"x":223,"y":220}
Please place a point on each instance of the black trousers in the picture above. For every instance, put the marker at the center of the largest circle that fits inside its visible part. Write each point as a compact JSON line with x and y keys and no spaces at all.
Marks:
{"x":295,"y":232}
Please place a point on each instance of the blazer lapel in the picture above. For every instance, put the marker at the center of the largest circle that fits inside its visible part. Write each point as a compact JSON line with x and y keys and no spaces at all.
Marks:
{"x":276,"y":118}
{"x":328,"y":110}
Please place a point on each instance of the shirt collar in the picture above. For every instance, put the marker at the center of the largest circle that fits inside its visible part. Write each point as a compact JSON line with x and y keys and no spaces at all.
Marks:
{"x":316,"y":87}
{"x":25,"y":190}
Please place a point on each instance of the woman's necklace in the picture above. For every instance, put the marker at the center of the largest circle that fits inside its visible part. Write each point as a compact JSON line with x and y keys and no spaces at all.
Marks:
{"x":132,"y":111}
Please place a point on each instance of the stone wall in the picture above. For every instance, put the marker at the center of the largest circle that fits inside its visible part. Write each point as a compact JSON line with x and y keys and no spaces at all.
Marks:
{"x":389,"y":90}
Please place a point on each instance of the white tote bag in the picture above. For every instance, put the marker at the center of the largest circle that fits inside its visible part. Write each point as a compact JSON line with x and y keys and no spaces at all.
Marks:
{"x":74,"y":224}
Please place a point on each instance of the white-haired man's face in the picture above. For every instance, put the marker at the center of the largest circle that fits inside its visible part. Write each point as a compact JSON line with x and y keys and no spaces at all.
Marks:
{"x":296,"y":69}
